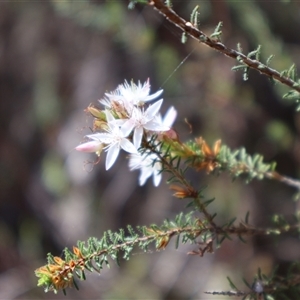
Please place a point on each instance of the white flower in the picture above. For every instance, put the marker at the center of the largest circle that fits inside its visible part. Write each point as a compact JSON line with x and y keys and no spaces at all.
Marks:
{"x":130,"y":95}
{"x":114,"y":139}
{"x":143,"y":120}
{"x":112,"y":98}
{"x":148,"y":164}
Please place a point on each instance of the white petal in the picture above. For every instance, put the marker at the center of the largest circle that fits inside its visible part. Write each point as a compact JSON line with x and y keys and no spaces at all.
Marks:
{"x":105,"y":102}
{"x":170,"y":117}
{"x":157,"y":179}
{"x":154,"y":126}
{"x":153,"y":109}
{"x":145,"y":87}
{"x":142,"y":92}
{"x":127,"y":127}
{"x":128,"y":146}
{"x":137,"y":137}
{"x":144,"y":175}
{"x":153,"y":96}
{"x":128,"y":106}
{"x":105,"y":138}
{"x":96,"y":136}
{"x":120,"y":122}
{"x":109,"y":117}
{"x":158,"y":118}
{"x":111,"y":121}
{"x":112,"y":154}
{"x":135,"y":161}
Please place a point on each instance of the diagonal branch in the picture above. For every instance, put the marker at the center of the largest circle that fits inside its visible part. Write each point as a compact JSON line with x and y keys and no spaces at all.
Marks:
{"x":201,"y":37}
{"x":284,"y":179}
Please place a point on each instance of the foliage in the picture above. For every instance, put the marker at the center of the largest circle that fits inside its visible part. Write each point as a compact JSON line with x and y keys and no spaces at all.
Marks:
{"x":160,"y":143}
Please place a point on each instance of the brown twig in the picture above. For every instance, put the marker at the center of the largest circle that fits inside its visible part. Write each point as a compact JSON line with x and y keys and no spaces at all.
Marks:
{"x":191,"y":191}
{"x":284,"y":179}
{"x":201,"y":37}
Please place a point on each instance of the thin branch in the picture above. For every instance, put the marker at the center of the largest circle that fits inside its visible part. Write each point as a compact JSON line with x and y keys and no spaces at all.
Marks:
{"x":284,"y":179}
{"x":192,"y":192}
{"x":201,"y":37}
{"x":59,"y":273}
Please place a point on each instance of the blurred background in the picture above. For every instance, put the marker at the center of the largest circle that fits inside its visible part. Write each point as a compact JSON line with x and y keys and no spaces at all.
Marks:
{"x":57,"y":57}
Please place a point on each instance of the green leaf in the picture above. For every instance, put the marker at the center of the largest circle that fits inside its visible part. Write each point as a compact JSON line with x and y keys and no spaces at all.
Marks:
{"x":231,"y":284}
{"x":76,"y":286}
{"x":255,"y":53}
{"x":207,"y":202}
{"x":217,"y":32}
{"x":269,"y":59}
{"x":88,"y":265}
{"x":239,"y":67}
{"x":168,"y":3}
{"x":247,"y":217}
{"x":194,"y":16}
{"x":242,"y":239}
{"x":231,"y":222}
{"x":247,"y":283}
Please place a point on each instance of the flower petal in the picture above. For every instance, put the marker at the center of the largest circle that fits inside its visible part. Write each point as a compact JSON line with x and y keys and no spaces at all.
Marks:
{"x":127,"y":127}
{"x":109,"y":117}
{"x":153,"y":109}
{"x":153,"y":96}
{"x":154,"y":126}
{"x":111,"y":121}
{"x":137,"y":137}
{"x":127,"y":146}
{"x":144,"y":175}
{"x":156,"y":179}
{"x":120,"y":122}
{"x":135,"y":161}
{"x":112,"y":154}
{"x":91,"y":146}
{"x":105,"y":138}
{"x":170,"y":117}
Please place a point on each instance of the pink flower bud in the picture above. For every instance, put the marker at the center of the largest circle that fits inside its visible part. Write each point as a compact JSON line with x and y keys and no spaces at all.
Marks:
{"x":92,"y":146}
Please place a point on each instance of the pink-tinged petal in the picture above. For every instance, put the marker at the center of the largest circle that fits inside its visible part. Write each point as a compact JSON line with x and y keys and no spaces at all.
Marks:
{"x":112,"y":154}
{"x":127,"y":146}
{"x":157,"y":179}
{"x":146,"y":86}
{"x":137,"y":137}
{"x":127,"y":127}
{"x":170,"y":117}
{"x":171,"y":134}
{"x":153,"y":109}
{"x":92,"y":146}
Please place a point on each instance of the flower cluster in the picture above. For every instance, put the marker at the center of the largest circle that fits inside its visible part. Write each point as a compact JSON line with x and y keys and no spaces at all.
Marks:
{"x":125,"y":122}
